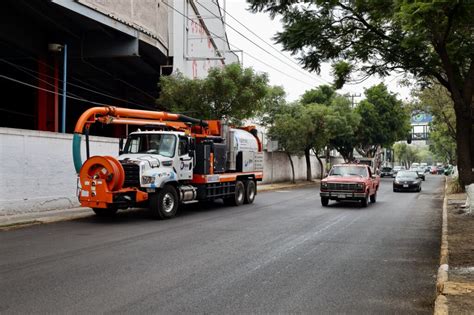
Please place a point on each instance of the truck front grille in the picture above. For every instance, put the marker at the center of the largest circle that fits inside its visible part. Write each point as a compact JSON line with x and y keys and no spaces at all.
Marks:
{"x":132,"y":175}
{"x":342,"y":186}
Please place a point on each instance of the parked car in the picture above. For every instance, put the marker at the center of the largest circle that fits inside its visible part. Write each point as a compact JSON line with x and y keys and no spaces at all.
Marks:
{"x":407,"y":181}
{"x":434,"y":170}
{"x":448,"y":170}
{"x":396,"y":169}
{"x":386,"y":171}
{"x":428,"y":169}
{"x":440,"y":170}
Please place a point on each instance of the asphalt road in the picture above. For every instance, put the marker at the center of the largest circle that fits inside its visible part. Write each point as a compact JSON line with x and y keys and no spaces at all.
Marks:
{"x":285,"y":253}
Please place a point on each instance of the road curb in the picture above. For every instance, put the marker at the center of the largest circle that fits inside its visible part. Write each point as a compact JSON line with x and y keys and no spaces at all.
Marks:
{"x":286,"y":186}
{"x":441,"y":303}
{"x":26,"y":222}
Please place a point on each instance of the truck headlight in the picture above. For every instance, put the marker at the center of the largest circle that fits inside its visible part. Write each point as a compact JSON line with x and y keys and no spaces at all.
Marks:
{"x":324,"y":185}
{"x":360,"y":186}
{"x":148,"y":180}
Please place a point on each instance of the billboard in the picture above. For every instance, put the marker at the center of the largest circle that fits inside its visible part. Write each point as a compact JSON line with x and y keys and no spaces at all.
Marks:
{"x":421,"y":118}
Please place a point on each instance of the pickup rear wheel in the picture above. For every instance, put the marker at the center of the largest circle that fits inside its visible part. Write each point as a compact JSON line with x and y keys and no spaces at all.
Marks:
{"x":325,"y":201}
{"x":164,"y":203}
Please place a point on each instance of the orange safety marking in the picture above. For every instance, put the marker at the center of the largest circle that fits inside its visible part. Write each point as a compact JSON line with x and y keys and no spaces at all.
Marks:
{"x":223,"y":178}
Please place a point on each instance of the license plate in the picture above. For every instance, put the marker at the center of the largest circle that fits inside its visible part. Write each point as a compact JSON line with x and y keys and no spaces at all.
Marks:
{"x":341,"y":196}
{"x":405,"y":186}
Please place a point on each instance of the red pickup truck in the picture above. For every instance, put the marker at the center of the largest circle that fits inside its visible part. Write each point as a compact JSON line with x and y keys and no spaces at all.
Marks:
{"x":350,"y":182}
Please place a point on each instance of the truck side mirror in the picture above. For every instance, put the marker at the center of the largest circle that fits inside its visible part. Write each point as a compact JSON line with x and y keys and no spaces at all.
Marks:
{"x":120,"y":146}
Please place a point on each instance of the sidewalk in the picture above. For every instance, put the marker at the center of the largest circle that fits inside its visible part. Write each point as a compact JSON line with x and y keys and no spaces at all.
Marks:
{"x":27,"y":219}
{"x":456,"y":284}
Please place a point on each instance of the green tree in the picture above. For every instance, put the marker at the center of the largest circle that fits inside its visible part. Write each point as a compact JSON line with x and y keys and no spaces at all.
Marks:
{"x":273,"y":103}
{"x":302,"y":128}
{"x":344,"y":126}
{"x":435,"y":100}
{"x":406,"y":154}
{"x":441,"y":144}
{"x":231,"y":92}
{"x":284,"y":130}
{"x":384,"y":120}
{"x":429,"y":39}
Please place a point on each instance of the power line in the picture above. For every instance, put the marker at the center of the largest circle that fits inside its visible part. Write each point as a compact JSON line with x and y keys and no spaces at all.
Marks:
{"x":49,"y":91}
{"x":24,"y":69}
{"x":238,"y":32}
{"x":86,"y":83}
{"x":259,"y":60}
{"x":276,"y":69}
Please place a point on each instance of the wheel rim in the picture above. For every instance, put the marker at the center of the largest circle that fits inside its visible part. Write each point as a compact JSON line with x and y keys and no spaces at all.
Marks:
{"x":240,"y":195}
{"x":252,"y":192}
{"x":168,"y":203}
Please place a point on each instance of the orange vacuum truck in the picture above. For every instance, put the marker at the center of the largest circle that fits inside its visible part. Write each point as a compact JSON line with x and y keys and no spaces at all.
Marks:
{"x":172,"y":159}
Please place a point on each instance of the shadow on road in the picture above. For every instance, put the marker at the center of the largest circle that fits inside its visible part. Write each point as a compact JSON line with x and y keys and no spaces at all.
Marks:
{"x":143,"y":214}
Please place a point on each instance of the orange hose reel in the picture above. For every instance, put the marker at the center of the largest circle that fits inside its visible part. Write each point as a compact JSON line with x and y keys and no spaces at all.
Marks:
{"x":104,"y":168}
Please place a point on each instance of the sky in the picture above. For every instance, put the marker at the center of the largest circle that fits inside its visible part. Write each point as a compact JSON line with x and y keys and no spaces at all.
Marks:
{"x":285,"y":72}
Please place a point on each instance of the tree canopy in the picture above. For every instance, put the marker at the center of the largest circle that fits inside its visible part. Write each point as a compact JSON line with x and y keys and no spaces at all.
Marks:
{"x":429,"y":39}
{"x":231,"y":92}
{"x":384,"y":120}
{"x":435,"y":100}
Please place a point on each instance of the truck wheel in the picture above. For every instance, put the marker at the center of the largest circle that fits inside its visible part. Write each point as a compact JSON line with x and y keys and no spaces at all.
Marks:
{"x":105,"y":212}
{"x":373,"y":198}
{"x":325,"y":201}
{"x":164,"y":204}
{"x":238,"y":198}
{"x":365,"y":201}
{"x":250,"y":192}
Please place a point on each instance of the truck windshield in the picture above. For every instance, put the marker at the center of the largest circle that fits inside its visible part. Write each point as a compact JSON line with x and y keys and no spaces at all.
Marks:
{"x":348,"y":171}
{"x":161,"y":144}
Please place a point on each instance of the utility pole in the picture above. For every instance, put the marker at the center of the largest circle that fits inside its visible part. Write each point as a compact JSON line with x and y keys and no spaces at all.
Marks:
{"x":352,"y":96}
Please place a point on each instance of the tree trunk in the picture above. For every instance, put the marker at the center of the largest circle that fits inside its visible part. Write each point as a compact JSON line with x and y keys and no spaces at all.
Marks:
{"x":463,"y":142}
{"x":320,"y":166}
{"x":292,"y":168}
{"x":309,"y":176}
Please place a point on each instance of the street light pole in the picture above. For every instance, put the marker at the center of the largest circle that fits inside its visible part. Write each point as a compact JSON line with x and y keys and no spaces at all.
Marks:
{"x":63,"y":121}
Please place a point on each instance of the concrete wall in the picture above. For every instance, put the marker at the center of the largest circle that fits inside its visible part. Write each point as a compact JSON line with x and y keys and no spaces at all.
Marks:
{"x":150,"y":17}
{"x":282,"y":167}
{"x":37,"y":172}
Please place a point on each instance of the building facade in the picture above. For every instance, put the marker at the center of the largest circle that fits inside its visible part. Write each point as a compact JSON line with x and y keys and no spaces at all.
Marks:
{"x":113,"y":52}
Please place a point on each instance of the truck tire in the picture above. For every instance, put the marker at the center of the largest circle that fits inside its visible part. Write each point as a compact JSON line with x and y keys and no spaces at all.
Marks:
{"x":250,"y":192}
{"x":325,"y":201}
{"x":373,"y":198}
{"x":239,"y":195}
{"x":164,"y":203}
{"x":105,"y":212}
{"x":365,"y":201}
